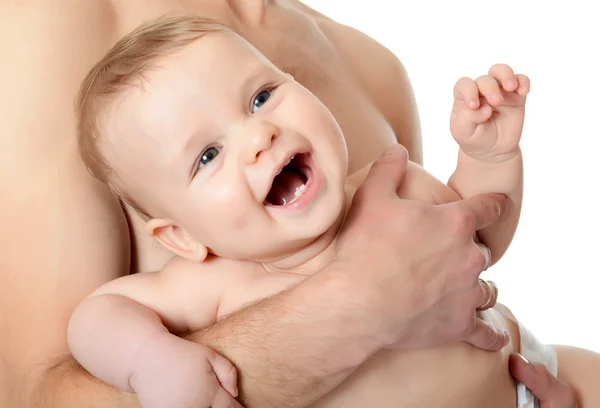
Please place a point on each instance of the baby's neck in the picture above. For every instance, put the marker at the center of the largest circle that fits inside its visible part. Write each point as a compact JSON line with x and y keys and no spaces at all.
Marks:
{"x":316,"y":254}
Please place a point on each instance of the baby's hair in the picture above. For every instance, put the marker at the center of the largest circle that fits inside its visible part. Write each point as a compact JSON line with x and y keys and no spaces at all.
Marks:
{"x":124,"y":65}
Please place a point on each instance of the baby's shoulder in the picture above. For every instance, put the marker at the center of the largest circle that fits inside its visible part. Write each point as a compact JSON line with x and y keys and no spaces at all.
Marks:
{"x":206,"y":290}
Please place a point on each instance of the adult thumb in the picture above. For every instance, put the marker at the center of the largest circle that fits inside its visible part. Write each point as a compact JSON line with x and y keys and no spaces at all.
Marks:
{"x":387,"y":172}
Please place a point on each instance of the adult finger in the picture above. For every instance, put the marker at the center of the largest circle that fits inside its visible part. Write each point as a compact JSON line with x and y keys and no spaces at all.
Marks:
{"x":486,"y":208}
{"x":551,"y":392}
{"x":487,"y":254}
{"x":387,"y":172}
{"x":224,"y":400}
{"x":489,"y":294}
{"x":486,"y":337}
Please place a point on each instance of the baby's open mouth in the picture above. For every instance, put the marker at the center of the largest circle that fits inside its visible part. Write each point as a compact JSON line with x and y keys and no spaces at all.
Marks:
{"x":290,"y":183}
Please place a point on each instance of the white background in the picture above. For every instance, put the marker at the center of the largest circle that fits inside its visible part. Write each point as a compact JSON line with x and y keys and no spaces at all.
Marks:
{"x":550,"y":275}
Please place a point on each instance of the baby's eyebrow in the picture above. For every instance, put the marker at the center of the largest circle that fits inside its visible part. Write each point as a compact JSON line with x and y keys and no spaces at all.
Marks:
{"x":252,"y":80}
{"x":178,"y":156}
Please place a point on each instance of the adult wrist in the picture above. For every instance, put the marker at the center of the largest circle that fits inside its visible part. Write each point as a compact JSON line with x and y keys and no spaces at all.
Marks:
{"x":353,"y":313}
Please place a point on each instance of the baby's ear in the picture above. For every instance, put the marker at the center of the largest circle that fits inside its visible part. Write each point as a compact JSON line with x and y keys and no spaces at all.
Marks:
{"x":176,"y":239}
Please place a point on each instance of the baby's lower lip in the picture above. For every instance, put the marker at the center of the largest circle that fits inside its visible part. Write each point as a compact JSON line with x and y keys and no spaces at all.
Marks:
{"x":308,"y":193}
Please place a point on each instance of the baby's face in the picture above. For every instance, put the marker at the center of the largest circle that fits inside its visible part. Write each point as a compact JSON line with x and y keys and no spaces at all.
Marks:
{"x":225,"y":146}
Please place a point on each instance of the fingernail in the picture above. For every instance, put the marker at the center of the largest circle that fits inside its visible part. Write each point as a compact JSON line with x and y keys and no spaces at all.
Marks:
{"x":502,"y":208}
{"x":524,"y":359}
{"x":506,"y":208}
{"x":473,"y":104}
{"x":511,"y":84}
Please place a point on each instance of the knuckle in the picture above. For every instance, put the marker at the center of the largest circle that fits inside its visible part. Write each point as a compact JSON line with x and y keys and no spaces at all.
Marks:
{"x":523,"y":78}
{"x":462,"y":85}
{"x":482,"y":79}
{"x":462,"y":221}
{"x":465,"y":324}
{"x":463,"y":81}
{"x":416,"y":214}
{"x":475,"y":261}
{"x":469,"y":314}
{"x":475,"y":297}
{"x":499,"y":68}
{"x":492,"y":337}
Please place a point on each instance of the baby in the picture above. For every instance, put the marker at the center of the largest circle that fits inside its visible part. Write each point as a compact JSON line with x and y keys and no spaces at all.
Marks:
{"x":239,"y":169}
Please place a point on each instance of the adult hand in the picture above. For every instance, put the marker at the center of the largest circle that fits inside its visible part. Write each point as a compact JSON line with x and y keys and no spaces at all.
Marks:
{"x":422,"y":288}
{"x":549,"y":390}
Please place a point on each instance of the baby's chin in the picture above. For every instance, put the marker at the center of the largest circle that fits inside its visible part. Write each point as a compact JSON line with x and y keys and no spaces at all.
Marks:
{"x":290,"y":243}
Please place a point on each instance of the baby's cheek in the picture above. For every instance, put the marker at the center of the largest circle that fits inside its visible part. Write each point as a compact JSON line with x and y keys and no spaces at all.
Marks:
{"x":231,"y":232}
{"x":231,"y":209}
{"x":239,"y":223}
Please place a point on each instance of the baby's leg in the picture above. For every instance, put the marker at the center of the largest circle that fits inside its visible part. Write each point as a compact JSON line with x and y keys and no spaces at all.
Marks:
{"x":581,"y":370}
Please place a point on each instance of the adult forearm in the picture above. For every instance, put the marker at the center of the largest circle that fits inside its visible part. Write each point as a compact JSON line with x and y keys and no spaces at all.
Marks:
{"x":292,"y":349}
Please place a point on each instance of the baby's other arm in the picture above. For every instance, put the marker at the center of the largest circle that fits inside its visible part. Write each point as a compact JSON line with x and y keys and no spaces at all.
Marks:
{"x":487,"y":121}
{"x":122,"y":333}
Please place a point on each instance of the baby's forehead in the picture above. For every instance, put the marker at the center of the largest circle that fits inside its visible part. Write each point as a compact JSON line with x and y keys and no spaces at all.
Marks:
{"x":121,"y":128}
{"x":181,"y":86}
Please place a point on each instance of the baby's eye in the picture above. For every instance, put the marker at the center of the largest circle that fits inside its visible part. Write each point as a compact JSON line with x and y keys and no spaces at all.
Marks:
{"x":208,"y":156}
{"x":204,"y":159}
{"x":260,"y":99}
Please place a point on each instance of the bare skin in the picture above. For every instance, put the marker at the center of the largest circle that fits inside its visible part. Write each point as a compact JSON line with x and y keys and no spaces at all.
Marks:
{"x":78,"y":234}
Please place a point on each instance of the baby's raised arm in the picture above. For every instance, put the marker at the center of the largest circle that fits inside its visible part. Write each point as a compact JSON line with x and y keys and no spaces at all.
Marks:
{"x":487,"y":120}
{"x":121,"y":334}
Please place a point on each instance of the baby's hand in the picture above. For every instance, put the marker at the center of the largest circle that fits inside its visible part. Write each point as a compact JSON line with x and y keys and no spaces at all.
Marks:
{"x":487,"y":116}
{"x":173,"y":372}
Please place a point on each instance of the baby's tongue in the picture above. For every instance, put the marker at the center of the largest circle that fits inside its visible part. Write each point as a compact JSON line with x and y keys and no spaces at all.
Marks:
{"x":284,"y":187}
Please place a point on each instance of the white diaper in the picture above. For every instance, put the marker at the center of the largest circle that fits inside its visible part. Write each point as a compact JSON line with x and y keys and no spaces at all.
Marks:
{"x":536,"y":352}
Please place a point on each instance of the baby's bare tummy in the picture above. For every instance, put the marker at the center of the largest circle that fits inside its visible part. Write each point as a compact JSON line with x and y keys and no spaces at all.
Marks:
{"x":454,"y":376}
